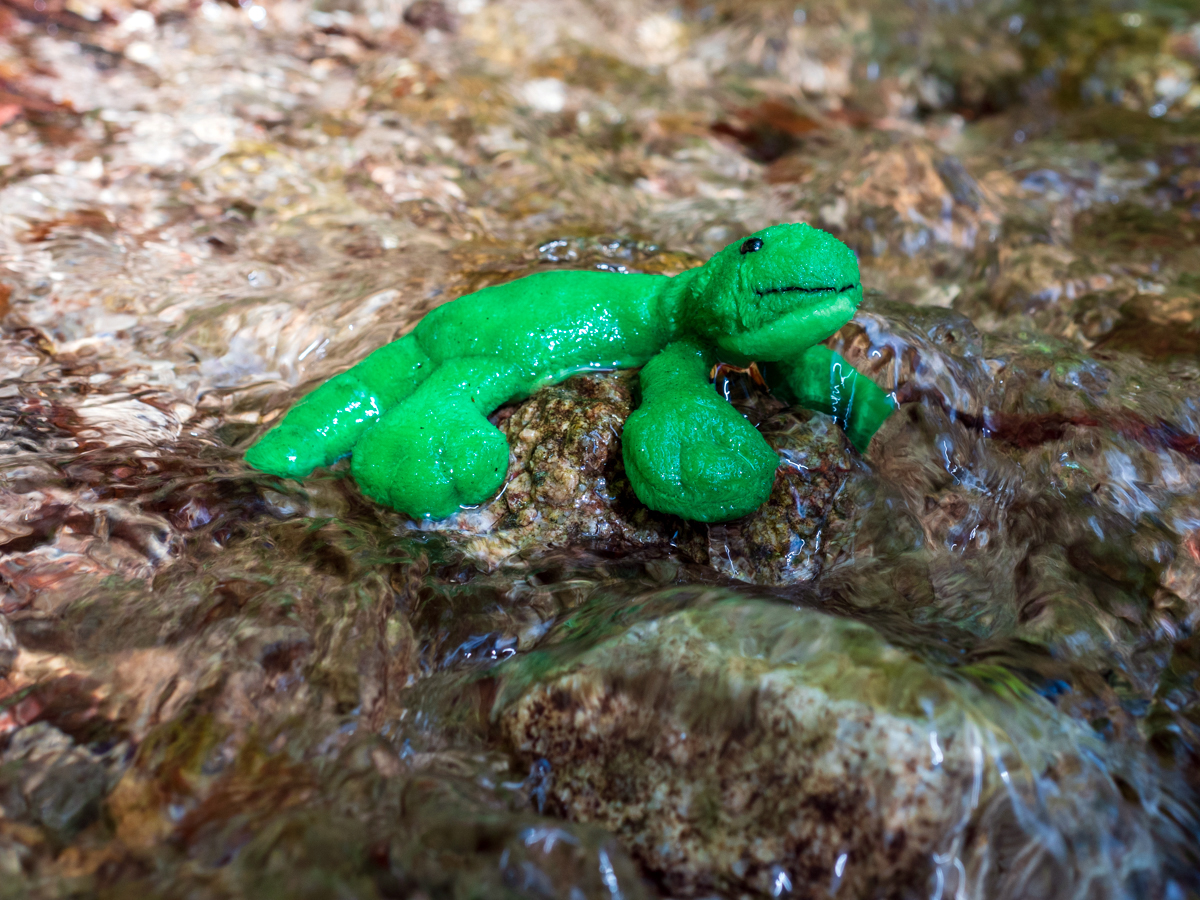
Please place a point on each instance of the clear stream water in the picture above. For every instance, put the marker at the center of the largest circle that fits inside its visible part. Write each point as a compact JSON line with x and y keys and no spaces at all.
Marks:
{"x":962,"y":665}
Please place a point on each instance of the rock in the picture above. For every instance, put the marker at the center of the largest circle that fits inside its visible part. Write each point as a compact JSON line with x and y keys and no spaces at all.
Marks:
{"x":751,"y":749}
{"x":530,"y":855}
{"x":566,"y":482}
{"x":45,"y":777}
{"x":430,"y":14}
{"x":916,"y":215}
{"x":57,"y":544}
{"x":567,"y":486}
{"x":8,"y":646}
{"x":733,"y":769}
{"x":210,"y":208}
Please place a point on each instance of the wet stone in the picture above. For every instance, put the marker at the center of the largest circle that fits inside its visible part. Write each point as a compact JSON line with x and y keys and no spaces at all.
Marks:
{"x":736,"y":746}
{"x":567,"y":487}
{"x":727,"y":770}
{"x":8,"y":646}
{"x":566,"y":482}
{"x":786,"y":540}
{"x":47,"y":779}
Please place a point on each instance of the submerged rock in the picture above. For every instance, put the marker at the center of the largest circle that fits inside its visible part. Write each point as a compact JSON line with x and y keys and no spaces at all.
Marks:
{"x":726,"y":766}
{"x":47,"y":779}
{"x":752,"y":749}
{"x":8,"y":646}
{"x":209,"y":208}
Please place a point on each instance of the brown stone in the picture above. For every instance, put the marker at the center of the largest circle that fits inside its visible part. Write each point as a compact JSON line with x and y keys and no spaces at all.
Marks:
{"x":743,"y":746}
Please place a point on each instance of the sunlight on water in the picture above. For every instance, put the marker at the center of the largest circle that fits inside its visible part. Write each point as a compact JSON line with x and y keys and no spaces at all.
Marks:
{"x":962,"y":665}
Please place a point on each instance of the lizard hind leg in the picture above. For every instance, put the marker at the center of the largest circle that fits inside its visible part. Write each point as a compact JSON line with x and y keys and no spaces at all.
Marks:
{"x":436,"y":451}
{"x":326,"y":424}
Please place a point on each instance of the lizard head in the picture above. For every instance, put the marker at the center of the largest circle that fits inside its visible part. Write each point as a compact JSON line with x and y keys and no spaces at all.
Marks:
{"x":775,"y":293}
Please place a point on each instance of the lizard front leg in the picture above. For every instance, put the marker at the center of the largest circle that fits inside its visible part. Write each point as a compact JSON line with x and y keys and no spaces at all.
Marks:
{"x":822,"y":380}
{"x":686,"y":450}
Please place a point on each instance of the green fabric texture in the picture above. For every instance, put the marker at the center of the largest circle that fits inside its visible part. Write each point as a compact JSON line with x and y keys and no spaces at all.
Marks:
{"x":413,"y":414}
{"x":823,"y":381}
{"x":687,"y":451}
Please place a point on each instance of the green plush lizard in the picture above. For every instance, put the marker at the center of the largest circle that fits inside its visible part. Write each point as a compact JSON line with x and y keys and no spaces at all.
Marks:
{"x":412,"y":415}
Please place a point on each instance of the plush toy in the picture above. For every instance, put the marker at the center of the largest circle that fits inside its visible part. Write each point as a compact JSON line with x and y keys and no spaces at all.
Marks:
{"x":413,"y":415}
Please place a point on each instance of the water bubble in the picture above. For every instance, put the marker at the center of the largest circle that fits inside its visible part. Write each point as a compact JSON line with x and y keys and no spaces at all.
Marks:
{"x":608,"y":875}
{"x":839,"y":872}
{"x":781,"y":881}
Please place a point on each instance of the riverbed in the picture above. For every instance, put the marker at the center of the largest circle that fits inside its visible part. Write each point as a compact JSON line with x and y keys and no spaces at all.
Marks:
{"x":963,"y":663}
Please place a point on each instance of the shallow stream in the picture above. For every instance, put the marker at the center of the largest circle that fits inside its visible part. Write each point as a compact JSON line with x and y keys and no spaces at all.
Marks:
{"x":962,"y":664}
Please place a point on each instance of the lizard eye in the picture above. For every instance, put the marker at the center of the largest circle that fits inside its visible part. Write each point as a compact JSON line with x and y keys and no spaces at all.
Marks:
{"x":751,"y":245}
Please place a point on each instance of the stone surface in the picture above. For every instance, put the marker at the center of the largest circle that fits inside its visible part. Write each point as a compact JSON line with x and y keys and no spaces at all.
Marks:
{"x":567,"y":487}
{"x":50,"y":781}
{"x":746,"y":748}
{"x":566,"y":480}
{"x":208,"y":208}
{"x":8,"y":646}
{"x":739,"y":766}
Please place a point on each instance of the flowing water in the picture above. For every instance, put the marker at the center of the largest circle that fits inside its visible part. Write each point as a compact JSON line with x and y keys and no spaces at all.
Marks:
{"x":963,"y":664}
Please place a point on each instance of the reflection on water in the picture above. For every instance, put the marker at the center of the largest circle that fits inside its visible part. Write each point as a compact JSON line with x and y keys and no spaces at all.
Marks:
{"x":962,"y":665}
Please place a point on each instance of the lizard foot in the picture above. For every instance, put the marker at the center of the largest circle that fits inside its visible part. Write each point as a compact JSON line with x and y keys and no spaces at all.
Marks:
{"x":429,"y":461}
{"x":697,"y":457}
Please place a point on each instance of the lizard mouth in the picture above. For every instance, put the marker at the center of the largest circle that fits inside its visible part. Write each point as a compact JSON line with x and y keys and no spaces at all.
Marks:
{"x":762,"y":292}
{"x":805,"y":323}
